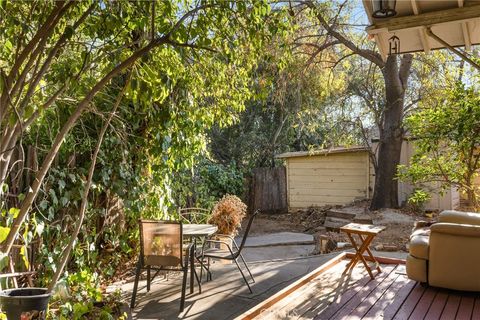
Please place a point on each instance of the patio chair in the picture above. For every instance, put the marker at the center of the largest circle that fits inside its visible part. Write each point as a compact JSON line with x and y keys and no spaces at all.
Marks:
{"x":194,"y":215}
{"x":230,"y":254}
{"x":162,"y":249}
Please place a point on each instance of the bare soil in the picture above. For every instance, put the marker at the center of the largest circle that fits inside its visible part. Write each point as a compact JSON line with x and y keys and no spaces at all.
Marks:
{"x":398,"y":223}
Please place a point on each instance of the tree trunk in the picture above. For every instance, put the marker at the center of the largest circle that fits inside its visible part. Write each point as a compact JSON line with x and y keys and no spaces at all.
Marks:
{"x":385,"y":194}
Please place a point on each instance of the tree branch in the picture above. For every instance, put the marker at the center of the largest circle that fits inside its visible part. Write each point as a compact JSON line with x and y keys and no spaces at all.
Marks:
{"x":365,"y":53}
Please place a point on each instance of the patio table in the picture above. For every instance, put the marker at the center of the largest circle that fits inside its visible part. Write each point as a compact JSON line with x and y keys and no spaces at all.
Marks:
{"x":196,"y":231}
{"x":199,"y":230}
{"x":366,"y":233}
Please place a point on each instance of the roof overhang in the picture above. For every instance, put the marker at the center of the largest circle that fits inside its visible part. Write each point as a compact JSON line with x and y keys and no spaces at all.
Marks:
{"x":425,"y":25}
{"x":322,"y":152}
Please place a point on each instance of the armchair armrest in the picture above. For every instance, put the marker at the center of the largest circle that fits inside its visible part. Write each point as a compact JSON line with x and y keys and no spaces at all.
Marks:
{"x":452,"y":216}
{"x":466,"y":230}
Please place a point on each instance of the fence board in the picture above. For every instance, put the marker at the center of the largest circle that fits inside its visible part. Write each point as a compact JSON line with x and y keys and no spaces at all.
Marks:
{"x":269,"y":190}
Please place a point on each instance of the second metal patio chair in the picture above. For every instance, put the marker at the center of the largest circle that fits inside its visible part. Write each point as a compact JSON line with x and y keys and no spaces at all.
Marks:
{"x":194,"y":215}
{"x":231,"y":253}
{"x":162,"y":249}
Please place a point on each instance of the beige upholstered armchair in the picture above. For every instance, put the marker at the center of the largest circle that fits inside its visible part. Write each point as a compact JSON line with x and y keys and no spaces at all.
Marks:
{"x":447,"y":254}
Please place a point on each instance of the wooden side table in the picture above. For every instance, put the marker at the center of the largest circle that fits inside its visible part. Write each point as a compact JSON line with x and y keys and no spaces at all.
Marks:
{"x":366,"y":233}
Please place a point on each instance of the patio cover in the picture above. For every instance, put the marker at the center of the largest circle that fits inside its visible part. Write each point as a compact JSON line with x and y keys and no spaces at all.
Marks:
{"x":425,"y":25}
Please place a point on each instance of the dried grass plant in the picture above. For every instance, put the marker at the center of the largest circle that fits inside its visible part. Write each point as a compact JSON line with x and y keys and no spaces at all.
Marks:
{"x":227,"y":214}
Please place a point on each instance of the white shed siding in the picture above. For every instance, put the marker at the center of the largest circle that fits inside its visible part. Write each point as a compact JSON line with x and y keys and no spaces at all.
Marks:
{"x":331,"y":179}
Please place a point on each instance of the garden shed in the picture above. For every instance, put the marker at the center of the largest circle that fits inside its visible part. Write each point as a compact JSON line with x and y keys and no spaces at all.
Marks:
{"x":339,"y":176}
{"x":327,"y":177}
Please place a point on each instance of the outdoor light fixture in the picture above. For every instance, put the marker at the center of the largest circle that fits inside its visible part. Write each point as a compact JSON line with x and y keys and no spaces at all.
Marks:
{"x":383,"y":8}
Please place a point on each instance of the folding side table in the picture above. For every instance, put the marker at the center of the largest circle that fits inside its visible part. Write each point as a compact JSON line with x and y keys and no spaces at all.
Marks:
{"x":366,"y":233}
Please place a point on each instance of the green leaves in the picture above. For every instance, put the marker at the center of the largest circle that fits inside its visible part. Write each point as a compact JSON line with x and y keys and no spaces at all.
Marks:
{"x":3,"y":233}
{"x":448,"y":136}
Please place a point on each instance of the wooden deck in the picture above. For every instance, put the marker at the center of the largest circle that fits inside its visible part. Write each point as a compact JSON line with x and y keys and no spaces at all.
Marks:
{"x":391,"y":295}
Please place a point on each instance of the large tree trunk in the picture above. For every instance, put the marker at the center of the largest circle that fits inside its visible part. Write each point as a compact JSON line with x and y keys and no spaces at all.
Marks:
{"x":385,"y":194}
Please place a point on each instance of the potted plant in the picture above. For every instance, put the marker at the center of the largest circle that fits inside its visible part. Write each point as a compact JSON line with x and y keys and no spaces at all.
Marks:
{"x":227,"y":215}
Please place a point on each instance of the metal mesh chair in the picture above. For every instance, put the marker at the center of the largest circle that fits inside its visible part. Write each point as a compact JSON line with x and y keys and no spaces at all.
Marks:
{"x":194,"y":215}
{"x":212,"y":249}
{"x":162,"y":249}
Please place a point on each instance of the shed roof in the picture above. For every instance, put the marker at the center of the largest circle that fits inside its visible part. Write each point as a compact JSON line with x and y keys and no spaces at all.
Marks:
{"x":457,"y":22}
{"x":322,"y":152}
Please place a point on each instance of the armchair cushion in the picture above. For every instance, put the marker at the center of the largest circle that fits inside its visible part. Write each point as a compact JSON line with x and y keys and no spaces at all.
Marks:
{"x":460,"y":217}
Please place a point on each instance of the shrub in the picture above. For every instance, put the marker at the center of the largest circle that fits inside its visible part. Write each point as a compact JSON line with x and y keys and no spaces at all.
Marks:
{"x":228,"y":213}
{"x":418,"y":199}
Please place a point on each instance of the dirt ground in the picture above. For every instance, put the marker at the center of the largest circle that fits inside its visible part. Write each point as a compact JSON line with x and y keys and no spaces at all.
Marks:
{"x":398,"y":223}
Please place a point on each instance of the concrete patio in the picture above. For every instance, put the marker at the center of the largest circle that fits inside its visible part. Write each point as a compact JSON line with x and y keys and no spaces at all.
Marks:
{"x":276,"y":260}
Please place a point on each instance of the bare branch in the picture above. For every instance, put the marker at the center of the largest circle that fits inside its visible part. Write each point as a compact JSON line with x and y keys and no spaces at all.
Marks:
{"x":365,"y":53}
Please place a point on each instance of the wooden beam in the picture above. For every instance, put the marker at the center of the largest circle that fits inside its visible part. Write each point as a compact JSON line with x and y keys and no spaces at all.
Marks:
{"x":382,"y":260}
{"x":368,"y":9}
{"x":426,"y":19}
{"x":415,"y":7}
{"x":465,"y":30}
{"x":268,"y":303}
{"x":466,"y":36}
{"x":382,"y":47}
{"x":451,"y":48}
{"x":421,"y":32}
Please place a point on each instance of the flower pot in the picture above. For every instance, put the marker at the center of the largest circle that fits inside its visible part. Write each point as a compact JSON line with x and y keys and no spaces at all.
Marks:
{"x":25,"y":303}
{"x":225,"y":247}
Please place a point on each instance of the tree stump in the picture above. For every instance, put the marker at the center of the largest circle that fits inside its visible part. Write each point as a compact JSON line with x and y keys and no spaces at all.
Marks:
{"x":323,"y":244}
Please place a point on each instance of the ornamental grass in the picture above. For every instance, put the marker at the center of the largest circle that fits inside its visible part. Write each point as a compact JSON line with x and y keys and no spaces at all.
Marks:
{"x":227,"y":214}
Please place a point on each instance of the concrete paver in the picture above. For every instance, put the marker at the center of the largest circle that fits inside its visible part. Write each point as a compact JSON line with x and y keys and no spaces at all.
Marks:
{"x":276,"y":260}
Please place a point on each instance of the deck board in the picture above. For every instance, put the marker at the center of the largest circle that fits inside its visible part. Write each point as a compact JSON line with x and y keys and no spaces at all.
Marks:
{"x":410,"y":303}
{"x":436,"y":309}
{"x":351,"y":305}
{"x":390,"y":302}
{"x":465,"y":309}
{"x":391,"y":295}
{"x":372,"y":299}
{"x":476,"y":310}
{"x":450,"y":310}
{"x":423,"y":304}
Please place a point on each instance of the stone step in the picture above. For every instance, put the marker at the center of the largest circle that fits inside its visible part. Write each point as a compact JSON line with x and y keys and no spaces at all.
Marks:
{"x":334,"y":224}
{"x":341,"y":214}
{"x":363,"y":218}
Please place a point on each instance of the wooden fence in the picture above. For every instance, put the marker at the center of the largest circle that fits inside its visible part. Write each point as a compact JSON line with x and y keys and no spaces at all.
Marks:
{"x":268,"y":190}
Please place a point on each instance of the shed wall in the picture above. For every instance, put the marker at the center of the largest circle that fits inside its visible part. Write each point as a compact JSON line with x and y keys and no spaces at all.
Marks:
{"x":332,"y":179}
{"x":448,"y":200}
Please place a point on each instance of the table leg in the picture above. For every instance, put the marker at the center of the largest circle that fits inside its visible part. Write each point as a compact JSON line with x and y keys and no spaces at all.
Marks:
{"x":364,"y":246}
{"x":352,"y":262}
{"x":377,"y":264}
{"x":192,"y":266}
{"x":349,"y":264}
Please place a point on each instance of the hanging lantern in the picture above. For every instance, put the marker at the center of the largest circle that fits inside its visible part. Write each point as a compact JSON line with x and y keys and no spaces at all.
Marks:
{"x":383,"y":8}
{"x":394,"y":45}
